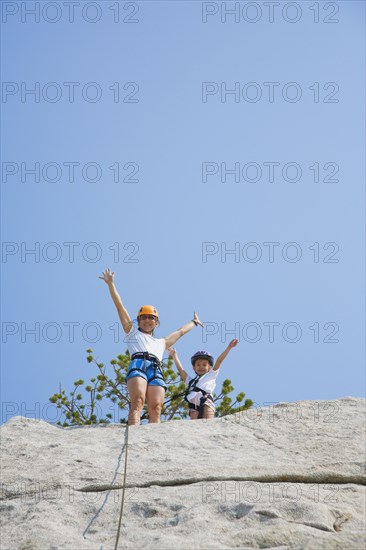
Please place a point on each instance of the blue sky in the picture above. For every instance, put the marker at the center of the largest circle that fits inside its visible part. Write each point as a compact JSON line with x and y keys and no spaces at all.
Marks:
{"x":172,"y":117}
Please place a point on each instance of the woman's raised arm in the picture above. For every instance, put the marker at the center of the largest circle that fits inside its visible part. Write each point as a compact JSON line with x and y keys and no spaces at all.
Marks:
{"x":174,"y":336}
{"x":108,"y":277}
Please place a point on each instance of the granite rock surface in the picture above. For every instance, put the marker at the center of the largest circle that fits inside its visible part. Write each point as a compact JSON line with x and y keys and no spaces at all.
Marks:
{"x":289,"y":476}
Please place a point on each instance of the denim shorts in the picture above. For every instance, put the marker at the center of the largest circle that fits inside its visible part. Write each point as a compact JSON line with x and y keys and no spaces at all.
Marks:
{"x":147,"y":370}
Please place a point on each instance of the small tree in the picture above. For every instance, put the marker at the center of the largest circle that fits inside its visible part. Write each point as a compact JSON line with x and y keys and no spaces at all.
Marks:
{"x":82,"y":408}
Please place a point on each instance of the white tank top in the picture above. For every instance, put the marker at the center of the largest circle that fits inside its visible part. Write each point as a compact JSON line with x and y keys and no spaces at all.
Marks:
{"x":138,"y":341}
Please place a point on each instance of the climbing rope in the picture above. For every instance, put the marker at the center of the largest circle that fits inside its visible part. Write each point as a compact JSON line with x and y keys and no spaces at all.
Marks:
{"x":123,"y":492}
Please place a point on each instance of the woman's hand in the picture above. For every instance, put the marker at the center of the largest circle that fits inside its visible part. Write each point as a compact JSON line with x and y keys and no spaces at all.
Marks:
{"x":233,"y":343}
{"x":172,"y":352}
{"x":196,"y":320}
{"x":108,"y":276}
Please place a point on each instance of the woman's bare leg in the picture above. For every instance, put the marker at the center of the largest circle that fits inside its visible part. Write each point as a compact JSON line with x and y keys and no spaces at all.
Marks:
{"x":137,"y":389}
{"x":155,"y":399}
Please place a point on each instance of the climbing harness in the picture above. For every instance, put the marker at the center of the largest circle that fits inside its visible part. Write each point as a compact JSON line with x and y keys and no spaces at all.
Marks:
{"x":123,"y":492}
{"x":142,"y":360}
{"x":192,"y":386}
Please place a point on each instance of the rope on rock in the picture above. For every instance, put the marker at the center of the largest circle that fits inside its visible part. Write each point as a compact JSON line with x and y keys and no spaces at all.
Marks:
{"x":123,"y":492}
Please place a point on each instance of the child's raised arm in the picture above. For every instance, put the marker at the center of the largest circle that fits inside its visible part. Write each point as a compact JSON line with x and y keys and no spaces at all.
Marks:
{"x":174,"y":336}
{"x":225,"y":353}
{"x":172,"y":353}
{"x":108,"y":277}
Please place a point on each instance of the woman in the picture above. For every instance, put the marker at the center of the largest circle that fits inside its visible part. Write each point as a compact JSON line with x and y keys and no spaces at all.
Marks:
{"x":144,"y":377}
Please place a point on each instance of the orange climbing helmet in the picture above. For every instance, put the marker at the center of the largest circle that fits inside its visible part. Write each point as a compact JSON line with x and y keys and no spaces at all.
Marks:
{"x":148,"y":310}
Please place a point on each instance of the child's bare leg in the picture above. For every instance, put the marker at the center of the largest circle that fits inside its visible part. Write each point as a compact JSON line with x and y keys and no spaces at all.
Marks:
{"x":137,"y":389}
{"x":193,"y":414}
{"x":208,"y":413}
{"x":155,"y":399}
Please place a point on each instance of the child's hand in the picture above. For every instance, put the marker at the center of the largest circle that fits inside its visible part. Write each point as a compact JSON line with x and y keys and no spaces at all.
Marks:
{"x":172,"y":352}
{"x":196,"y":319}
{"x":233,"y":343}
{"x":108,"y":276}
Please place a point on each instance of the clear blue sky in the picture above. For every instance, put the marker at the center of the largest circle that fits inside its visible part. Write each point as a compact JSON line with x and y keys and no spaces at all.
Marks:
{"x":180,"y":57}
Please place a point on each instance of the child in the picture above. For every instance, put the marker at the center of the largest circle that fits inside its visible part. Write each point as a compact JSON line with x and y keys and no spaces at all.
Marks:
{"x":200,"y":388}
{"x":145,"y":379}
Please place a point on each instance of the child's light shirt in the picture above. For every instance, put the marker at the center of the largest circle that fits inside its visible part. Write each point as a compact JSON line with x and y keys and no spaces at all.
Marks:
{"x":138,"y":341}
{"x":207,"y":382}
